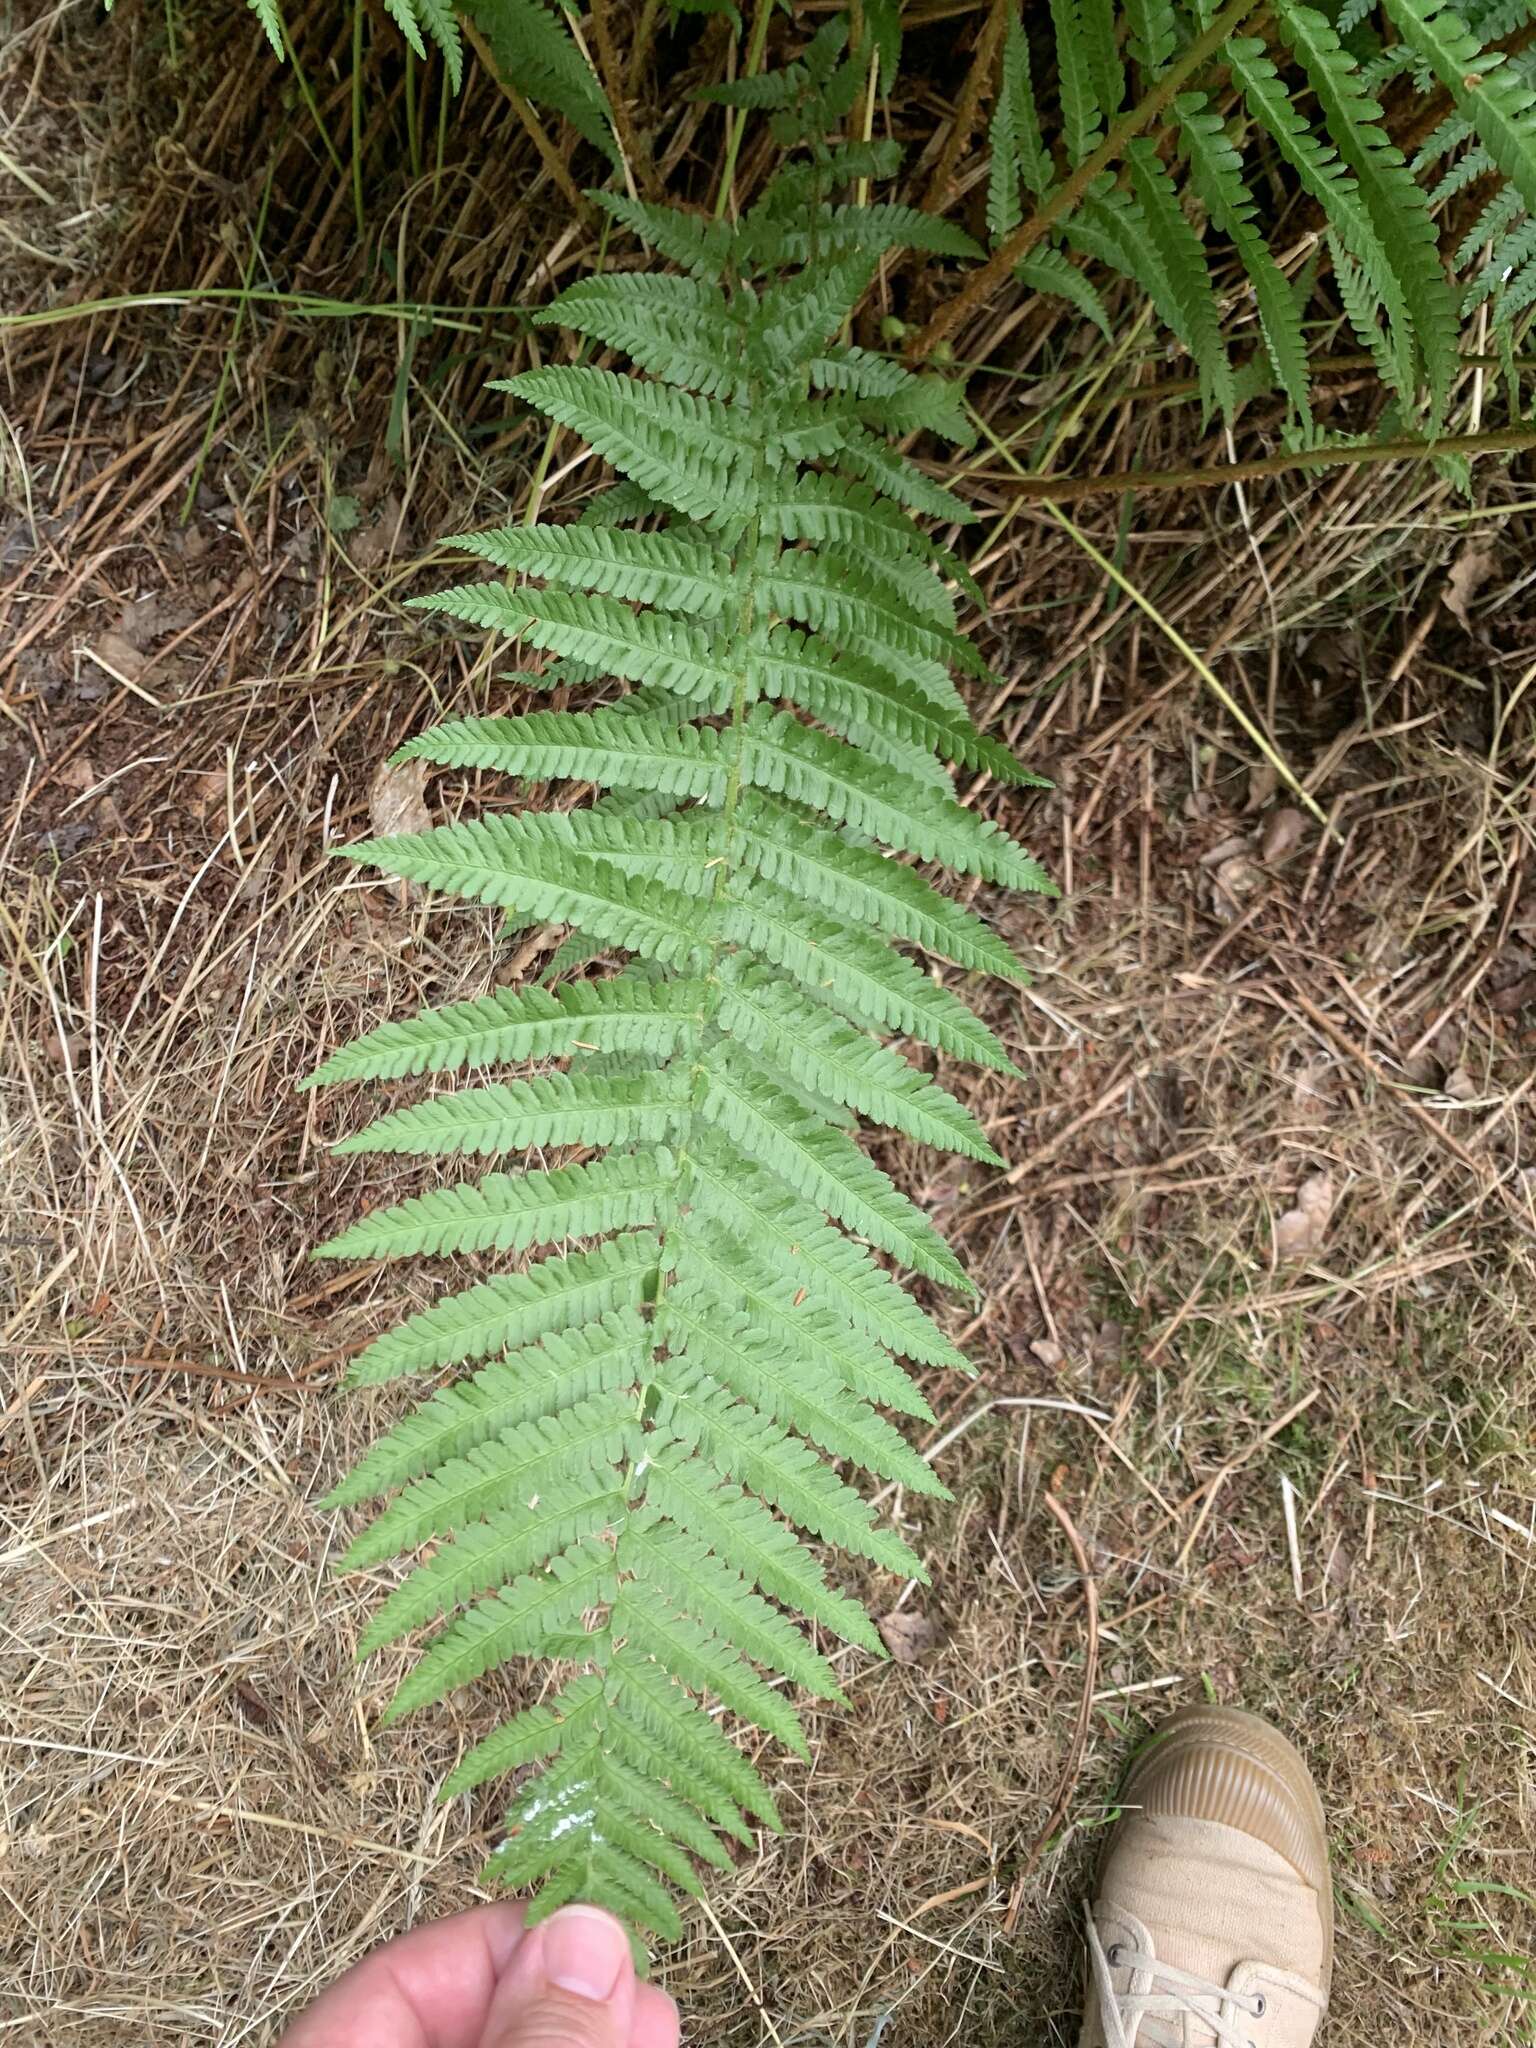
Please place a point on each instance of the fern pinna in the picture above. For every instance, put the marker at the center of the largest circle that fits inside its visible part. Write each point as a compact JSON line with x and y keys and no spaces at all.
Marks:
{"x":660,"y":1426}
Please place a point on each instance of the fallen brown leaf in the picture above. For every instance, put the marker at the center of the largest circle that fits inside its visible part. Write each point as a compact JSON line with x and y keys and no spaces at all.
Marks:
{"x":397,"y":799}
{"x":1468,"y":573}
{"x":119,"y":656}
{"x":908,"y":1635}
{"x":1300,"y":1231}
{"x":1282,"y":834}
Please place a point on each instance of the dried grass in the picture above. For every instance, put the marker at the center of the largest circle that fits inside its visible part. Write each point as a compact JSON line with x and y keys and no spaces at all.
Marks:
{"x":200,"y":1825}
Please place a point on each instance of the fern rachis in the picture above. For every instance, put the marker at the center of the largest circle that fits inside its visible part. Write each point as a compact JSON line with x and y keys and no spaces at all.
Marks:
{"x":653,"y":1424}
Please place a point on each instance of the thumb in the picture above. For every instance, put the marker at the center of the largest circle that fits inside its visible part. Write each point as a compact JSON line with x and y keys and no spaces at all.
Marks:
{"x":572,"y":1986}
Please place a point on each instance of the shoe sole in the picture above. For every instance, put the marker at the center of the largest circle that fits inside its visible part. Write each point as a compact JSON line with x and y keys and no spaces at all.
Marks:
{"x":1222,"y":1764}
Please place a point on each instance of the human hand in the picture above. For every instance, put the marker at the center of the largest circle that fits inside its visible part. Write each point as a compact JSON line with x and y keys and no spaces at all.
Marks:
{"x":483,"y":1980}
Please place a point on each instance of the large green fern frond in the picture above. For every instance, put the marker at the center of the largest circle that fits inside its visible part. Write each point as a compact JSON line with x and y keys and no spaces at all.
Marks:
{"x":668,"y":1405}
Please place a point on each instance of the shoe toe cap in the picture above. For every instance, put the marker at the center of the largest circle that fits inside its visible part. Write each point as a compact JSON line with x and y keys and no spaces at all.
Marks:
{"x":1218,"y":1764}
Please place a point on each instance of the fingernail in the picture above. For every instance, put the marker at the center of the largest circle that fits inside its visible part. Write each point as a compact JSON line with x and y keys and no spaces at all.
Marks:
{"x":585,"y":1951}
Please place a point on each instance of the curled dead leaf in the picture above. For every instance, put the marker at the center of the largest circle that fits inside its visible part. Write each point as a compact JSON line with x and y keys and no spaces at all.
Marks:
{"x":1282,"y":834}
{"x":1300,"y":1231}
{"x":397,"y":799}
{"x":908,"y":1635}
{"x":119,"y":657}
{"x":1468,"y":573}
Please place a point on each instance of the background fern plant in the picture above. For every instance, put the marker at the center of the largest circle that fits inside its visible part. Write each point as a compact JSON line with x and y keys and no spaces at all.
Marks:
{"x":1171,"y":125}
{"x":632,"y":1483}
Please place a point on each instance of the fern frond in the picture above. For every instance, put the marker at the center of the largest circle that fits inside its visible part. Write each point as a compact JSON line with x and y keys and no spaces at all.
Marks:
{"x":560,"y":1510}
{"x":794,"y":1036}
{"x":269,"y":14}
{"x":515,"y":1308}
{"x":683,"y":449}
{"x":833,"y":595}
{"x":858,"y":977}
{"x":703,"y":1660}
{"x":662,"y":1559}
{"x":860,"y":888}
{"x":900,"y":479}
{"x":799,"y":316}
{"x":821,"y":1165}
{"x":535,"y":51}
{"x":1393,"y":199}
{"x":515,"y":1621}
{"x":781,"y":1308}
{"x":1018,"y":152}
{"x":442,"y":25}
{"x":707,"y":1766}
{"x":1154,"y":32}
{"x":607,"y":1353}
{"x":735,"y":1526}
{"x":743,"y":1446}
{"x":626,"y":1014}
{"x":740,"y":1360}
{"x":699,"y":246}
{"x":1487,"y":91}
{"x":1048,"y":271}
{"x":694,"y":346}
{"x":535,"y":1733}
{"x":642,"y":568}
{"x":1219,"y":181}
{"x":1326,"y":178}
{"x":833,"y":1271}
{"x":1494,"y":222}
{"x":1101,"y":54}
{"x":1182,"y":259}
{"x":403,"y":14}
{"x":513,"y":1116}
{"x":1081,"y":113}
{"x":516,"y":1465}
{"x":636,"y":1472}
{"x":603,"y":747}
{"x":507,"y":1212}
{"x":791,"y":760}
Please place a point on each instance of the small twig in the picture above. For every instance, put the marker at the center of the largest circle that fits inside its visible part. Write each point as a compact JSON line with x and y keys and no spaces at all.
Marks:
{"x":1209,"y":1488}
{"x":1074,"y":1763}
{"x":736,"y":117}
{"x":1202,"y":669}
{"x":742,"y":1972}
{"x":1292,"y":1541}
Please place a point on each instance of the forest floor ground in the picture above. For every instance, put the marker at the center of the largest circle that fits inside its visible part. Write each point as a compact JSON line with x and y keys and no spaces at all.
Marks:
{"x":1257,"y":1290}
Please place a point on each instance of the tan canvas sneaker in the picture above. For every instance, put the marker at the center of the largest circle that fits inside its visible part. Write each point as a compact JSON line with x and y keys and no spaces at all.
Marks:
{"x":1213,"y":1927}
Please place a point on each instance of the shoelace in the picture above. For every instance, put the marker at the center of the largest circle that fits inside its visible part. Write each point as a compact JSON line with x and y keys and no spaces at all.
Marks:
{"x":1175,"y":1995}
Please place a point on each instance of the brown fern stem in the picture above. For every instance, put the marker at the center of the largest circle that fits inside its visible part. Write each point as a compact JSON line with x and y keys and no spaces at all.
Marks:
{"x":552,"y":160}
{"x":1065,"y":490}
{"x":1059,"y":203}
{"x":632,"y":144}
{"x":983,"y":63}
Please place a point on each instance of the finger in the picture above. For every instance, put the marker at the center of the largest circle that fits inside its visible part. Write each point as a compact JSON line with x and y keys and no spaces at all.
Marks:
{"x":655,"y":2024}
{"x":572,"y":1985}
{"x":431,"y":1988}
